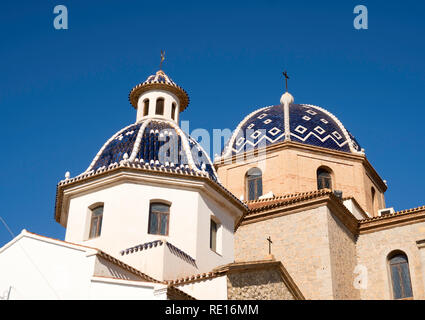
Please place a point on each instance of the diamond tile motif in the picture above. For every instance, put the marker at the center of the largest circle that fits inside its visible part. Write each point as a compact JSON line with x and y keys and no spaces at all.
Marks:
{"x":256,"y":134}
{"x":300,"y":129}
{"x":319,"y":130}
{"x":306,"y":118}
{"x":240,"y":141}
{"x":274,"y":131}
{"x":337,"y":135}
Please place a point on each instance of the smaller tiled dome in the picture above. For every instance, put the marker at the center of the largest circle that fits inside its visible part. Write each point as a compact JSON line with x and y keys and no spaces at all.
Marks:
{"x":157,"y":143}
{"x":159,"y":80}
{"x":306,"y":124}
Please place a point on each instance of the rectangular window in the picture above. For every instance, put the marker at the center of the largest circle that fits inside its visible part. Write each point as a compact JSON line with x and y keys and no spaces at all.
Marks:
{"x":173,"y":111}
{"x":159,"y":106}
{"x":96,"y":222}
{"x":146,"y":107}
{"x":159,"y":214}
{"x":213,"y":235}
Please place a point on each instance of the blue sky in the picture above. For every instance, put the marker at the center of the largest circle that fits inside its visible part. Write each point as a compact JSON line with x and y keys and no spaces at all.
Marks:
{"x":63,"y":93}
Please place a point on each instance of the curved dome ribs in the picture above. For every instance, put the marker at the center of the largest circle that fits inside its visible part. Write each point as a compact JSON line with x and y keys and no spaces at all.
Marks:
{"x":156,"y":143}
{"x":116,"y":148}
{"x":200,"y":157}
{"x":308,"y":124}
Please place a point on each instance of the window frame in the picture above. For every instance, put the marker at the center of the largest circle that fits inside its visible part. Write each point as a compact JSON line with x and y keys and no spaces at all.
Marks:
{"x":215,"y":238}
{"x":98,"y":219}
{"x":250,"y":177}
{"x":321,"y":180}
{"x":173,"y":111}
{"x":146,"y":103}
{"x":158,"y":217}
{"x":158,"y":100}
{"x":403,"y":286}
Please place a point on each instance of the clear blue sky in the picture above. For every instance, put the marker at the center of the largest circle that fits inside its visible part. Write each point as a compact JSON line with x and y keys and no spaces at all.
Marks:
{"x":63,"y":93}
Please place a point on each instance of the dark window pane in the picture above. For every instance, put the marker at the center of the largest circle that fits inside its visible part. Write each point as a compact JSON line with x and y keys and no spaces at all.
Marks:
{"x":160,"y":207}
{"x":213,"y":235}
{"x":99,"y":228}
{"x":259,"y":188}
{"x":405,"y":277}
{"x":400,"y":277}
{"x":164,"y":224}
{"x":398,"y":259}
{"x":158,"y":218}
{"x":93,"y":228}
{"x":173,"y":111}
{"x":153,"y":223}
{"x":146,"y":107}
{"x":396,"y":282}
{"x":324,"y":179}
{"x":251,"y":190}
{"x":97,"y":212}
{"x":96,"y":222}
{"x":254,"y":183}
{"x":159,"y":106}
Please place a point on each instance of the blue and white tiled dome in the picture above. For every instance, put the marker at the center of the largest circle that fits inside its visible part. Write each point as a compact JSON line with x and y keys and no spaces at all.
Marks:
{"x":307,"y":124}
{"x":157,"y":143}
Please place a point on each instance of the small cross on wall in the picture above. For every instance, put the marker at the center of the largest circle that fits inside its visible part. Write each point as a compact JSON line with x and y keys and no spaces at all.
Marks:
{"x":269,"y":239}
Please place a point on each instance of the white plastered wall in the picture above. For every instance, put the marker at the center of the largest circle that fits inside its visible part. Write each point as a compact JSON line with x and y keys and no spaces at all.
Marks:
{"x":126,"y":218}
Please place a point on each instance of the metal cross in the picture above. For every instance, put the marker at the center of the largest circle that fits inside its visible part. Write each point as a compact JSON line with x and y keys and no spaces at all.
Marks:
{"x":285,"y":74}
{"x":162,"y":59}
{"x":270,"y":244}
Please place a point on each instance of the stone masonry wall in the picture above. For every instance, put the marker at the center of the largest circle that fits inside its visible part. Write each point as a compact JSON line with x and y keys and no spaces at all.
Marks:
{"x":372,"y":252}
{"x":300,"y":242}
{"x":257,"y":285}
{"x":342,"y":245}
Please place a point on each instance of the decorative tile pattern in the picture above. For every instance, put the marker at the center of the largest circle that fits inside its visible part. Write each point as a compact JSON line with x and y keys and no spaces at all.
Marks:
{"x":308,"y":124}
{"x":160,"y":145}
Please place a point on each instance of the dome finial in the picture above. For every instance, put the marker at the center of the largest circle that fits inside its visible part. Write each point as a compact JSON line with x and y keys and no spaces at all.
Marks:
{"x":162,"y":59}
{"x":285,"y":74}
{"x":286,"y":98}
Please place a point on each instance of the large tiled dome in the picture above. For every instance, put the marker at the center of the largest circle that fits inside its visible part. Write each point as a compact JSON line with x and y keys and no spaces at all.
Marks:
{"x":307,"y":124}
{"x":157,"y":143}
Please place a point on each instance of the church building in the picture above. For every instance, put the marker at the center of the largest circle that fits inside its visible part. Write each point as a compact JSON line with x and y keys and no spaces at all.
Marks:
{"x":292,"y":209}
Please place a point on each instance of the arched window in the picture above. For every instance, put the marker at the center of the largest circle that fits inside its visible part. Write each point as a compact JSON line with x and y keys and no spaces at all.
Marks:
{"x":159,"y":106}
{"x":400,"y":275}
{"x":373,"y":194}
{"x":96,"y":222}
{"x":145,"y":107}
{"x":254,"y":183}
{"x":173,"y":111}
{"x":159,"y":217}
{"x":324,"y":179}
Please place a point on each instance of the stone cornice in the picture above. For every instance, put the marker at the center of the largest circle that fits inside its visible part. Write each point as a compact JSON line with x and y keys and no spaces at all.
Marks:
{"x":304,"y":201}
{"x":393,"y":220}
